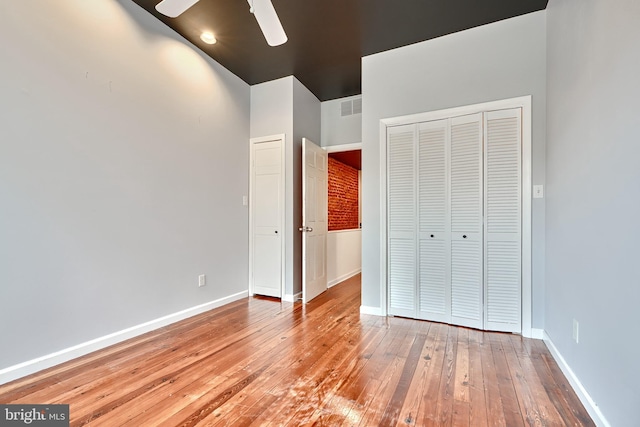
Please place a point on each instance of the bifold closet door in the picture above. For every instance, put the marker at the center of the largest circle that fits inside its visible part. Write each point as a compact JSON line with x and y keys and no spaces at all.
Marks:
{"x":466,"y":207}
{"x":503,"y":213}
{"x":434,"y":237}
{"x":401,"y":220}
{"x":454,"y":220}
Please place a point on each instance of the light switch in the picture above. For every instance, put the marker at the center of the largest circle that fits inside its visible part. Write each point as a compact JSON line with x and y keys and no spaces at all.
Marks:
{"x":244,"y":201}
{"x":538,"y":192}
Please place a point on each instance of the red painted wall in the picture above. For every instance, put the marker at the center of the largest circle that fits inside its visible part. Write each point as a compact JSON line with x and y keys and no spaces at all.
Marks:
{"x":343,"y":196}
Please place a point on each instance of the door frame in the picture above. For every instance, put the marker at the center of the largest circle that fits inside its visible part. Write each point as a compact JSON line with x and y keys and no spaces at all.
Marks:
{"x":343,"y":147}
{"x":284,"y":232}
{"x":523,"y":102}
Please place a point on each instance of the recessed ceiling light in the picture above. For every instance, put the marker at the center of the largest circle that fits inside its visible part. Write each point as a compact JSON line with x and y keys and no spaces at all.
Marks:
{"x":208,"y":38}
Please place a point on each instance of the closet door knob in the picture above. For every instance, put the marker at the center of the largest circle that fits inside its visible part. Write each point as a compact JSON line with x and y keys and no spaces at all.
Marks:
{"x":432,"y":236}
{"x":464,"y":236}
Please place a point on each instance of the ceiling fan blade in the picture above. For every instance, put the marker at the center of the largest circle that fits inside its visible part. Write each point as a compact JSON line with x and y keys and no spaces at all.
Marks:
{"x":174,"y":8}
{"x":268,"y":21}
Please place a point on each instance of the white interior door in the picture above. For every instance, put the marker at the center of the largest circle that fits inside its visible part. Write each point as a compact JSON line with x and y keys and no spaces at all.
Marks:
{"x":466,"y":203}
{"x":503,"y":216}
{"x":457,"y":217}
{"x":435,"y":223}
{"x":314,"y":220}
{"x":401,"y":226}
{"x":267,"y":213}
{"x":434,"y":235}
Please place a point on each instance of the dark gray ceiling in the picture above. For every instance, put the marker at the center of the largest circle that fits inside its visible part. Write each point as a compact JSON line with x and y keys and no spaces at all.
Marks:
{"x":328,"y":38}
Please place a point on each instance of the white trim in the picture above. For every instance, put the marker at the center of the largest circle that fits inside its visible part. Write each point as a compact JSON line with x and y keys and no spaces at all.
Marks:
{"x":292,"y":297}
{"x":373,"y":311}
{"x":537,"y":334}
{"x":31,"y":366}
{"x":464,"y":110}
{"x":523,"y":102}
{"x":591,"y":406}
{"x":384,"y":305}
{"x":343,"y":277}
{"x":343,"y":147}
{"x":527,"y":293}
{"x":283,"y":229}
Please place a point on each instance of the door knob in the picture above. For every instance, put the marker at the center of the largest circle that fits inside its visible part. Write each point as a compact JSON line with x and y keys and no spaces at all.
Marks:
{"x":464,"y":236}
{"x":305,"y":229}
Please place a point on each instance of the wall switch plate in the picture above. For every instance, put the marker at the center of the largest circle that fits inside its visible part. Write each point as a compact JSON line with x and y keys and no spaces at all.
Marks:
{"x":245,"y":201}
{"x":538,"y":191}
{"x":202,"y":280}
{"x":576,"y":330}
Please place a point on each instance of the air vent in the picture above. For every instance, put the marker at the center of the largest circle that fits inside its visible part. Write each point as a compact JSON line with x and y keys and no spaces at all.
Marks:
{"x":351,"y":107}
{"x":346,"y":108}
{"x":357,"y":106}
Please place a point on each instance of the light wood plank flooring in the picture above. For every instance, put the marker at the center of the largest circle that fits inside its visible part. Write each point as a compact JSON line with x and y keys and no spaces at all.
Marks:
{"x":262,"y":362}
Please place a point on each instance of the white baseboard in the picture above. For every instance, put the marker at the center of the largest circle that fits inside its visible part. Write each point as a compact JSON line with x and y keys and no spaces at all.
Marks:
{"x":343,"y":277}
{"x":591,"y":407}
{"x":31,"y":366}
{"x":537,"y":334}
{"x":375,"y":311}
{"x":292,"y":297}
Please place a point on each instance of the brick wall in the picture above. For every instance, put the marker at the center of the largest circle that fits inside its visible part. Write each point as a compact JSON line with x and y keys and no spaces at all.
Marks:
{"x":343,"y":196}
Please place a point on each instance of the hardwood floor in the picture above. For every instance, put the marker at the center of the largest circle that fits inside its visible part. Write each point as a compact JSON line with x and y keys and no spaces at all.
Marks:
{"x":261,"y":362}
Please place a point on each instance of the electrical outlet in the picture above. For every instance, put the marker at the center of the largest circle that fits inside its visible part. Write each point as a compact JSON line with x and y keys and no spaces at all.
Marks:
{"x":576,"y":330}
{"x":202,"y":280}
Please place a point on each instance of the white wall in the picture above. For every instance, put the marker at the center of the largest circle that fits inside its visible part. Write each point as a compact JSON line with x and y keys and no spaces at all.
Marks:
{"x":344,"y":247}
{"x":593,"y":197}
{"x":271,"y":114}
{"x":344,"y":255}
{"x":502,"y":60}
{"x":306,"y":114}
{"x":338,"y":130}
{"x":123,"y":162}
{"x":272,"y":108}
{"x":286,"y":106}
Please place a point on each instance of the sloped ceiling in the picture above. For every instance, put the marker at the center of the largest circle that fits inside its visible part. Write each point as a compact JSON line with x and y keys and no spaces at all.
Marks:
{"x":328,"y":38}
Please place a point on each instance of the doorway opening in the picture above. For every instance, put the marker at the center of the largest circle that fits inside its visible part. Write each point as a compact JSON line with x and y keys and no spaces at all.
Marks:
{"x":344,"y":238}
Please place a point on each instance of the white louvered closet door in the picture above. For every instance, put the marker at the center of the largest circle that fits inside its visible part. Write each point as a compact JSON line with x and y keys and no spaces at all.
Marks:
{"x":466,"y":206}
{"x":401,"y":220}
{"x":434,"y":279}
{"x":503,"y":213}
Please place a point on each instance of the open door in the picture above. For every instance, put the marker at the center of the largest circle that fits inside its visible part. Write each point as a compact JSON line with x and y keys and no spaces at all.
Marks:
{"x":314,"y":220}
